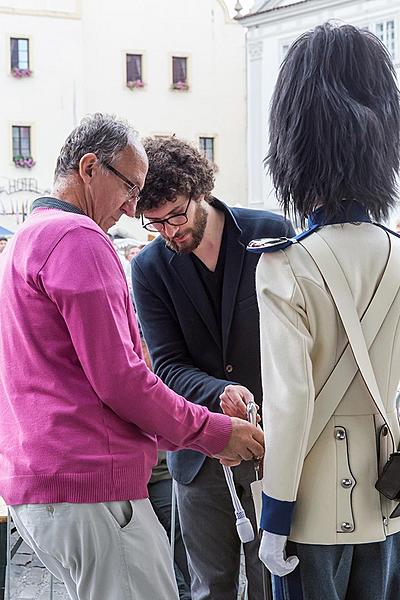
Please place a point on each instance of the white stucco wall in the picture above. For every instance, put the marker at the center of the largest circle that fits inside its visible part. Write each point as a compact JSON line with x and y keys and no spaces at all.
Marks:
{"x":215,"y":102}
{"x":45,"y":100}
{"x":78,"y":52}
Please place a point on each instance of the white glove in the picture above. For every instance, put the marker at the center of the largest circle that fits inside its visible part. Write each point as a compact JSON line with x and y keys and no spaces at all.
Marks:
{"x":272,"y":554}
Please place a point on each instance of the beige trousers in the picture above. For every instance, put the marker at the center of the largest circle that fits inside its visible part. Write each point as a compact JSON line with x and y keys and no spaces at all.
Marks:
{"x":102,"y":551}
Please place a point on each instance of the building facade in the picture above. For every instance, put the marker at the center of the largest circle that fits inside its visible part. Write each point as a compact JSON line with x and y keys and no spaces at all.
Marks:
{"x":272,"y":25}
{"x":173,"y":67}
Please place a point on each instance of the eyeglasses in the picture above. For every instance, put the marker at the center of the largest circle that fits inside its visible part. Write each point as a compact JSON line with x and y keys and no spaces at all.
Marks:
{"x":175,"y":220}
{"x":134,"y":189}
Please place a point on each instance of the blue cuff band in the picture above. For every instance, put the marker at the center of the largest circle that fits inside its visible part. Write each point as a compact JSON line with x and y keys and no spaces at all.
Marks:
{"x":276,"y":515}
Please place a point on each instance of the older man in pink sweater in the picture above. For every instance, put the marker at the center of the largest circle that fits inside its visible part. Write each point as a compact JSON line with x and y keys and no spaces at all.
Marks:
{"x":81,"y":416}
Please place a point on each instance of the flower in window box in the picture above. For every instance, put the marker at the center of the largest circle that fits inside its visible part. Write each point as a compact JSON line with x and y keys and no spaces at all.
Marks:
{"x":180,"y":85}
{"x":137,"y":83}
{"x":26,"y":162}
{"x":19,"y":73}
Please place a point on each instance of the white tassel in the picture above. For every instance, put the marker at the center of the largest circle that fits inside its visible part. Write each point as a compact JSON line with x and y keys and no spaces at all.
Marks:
{"x":243,"y":525}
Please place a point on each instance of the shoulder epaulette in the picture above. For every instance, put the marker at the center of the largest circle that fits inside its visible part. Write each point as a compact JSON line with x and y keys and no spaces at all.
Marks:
{"x":280,"y":243}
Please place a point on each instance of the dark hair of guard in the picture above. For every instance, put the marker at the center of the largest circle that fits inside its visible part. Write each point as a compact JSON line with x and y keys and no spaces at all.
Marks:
{"x":176,"y":168}
{"x":335,"y":124}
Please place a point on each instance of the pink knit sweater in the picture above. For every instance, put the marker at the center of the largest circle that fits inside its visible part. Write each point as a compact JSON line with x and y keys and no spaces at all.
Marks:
{"x":80,"y":413}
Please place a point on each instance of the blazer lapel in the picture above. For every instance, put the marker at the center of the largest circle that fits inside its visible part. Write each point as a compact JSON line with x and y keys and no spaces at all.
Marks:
{"x":234,"y":257}
{"x":187,"y":274}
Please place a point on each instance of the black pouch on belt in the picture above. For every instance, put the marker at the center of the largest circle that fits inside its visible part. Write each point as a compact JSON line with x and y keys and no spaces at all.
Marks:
{"x":388,"y":483}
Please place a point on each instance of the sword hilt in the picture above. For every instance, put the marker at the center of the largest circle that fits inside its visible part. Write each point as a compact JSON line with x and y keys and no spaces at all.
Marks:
{"x":251,"y":410}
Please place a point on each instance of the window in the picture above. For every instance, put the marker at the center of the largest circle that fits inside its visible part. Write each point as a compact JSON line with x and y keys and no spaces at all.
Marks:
{"x":134,"y":76}
{"x":385,"y":31}
{"x":21,"y":140}
{"x":19,"y":53}
{"x":179,"y":73}
{"x":207,"y":147}
{"x":284,"y":50}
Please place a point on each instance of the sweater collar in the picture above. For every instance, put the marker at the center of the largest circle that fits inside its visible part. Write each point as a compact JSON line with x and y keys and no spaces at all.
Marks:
{"x":48,"y":202}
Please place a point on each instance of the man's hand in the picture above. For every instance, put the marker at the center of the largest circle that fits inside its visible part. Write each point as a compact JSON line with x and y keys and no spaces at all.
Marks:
{"x":234,"y":400}
{"x":246,"y":443}
{"x":272,"y":554}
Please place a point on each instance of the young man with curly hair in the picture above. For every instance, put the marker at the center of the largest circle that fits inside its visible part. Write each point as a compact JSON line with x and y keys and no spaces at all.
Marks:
{"x":194,"y":289}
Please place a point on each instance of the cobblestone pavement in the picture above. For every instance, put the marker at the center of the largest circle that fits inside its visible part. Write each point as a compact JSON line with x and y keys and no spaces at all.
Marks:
{"x":31,"y":581}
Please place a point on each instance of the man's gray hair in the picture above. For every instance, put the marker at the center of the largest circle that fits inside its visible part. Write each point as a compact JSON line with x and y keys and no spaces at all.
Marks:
{"x":104,"y":135}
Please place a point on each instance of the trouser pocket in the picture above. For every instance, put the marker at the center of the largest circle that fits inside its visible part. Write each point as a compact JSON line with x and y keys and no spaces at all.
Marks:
{"x":121,"y":513}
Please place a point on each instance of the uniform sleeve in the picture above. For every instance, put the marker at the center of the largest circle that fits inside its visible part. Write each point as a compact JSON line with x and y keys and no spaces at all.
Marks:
{"x":85,"y":280}
{"x":288,"y":389}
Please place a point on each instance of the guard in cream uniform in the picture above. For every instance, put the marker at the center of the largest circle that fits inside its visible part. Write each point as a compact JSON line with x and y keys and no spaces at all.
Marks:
{"x":327,"y":496}
{"x":328,"y":534}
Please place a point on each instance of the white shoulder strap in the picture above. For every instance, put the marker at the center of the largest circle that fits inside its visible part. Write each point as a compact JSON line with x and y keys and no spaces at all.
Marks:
{"x":355,"y":357}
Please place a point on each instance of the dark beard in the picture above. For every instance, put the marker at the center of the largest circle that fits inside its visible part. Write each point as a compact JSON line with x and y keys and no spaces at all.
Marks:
{"x":197,"y":233}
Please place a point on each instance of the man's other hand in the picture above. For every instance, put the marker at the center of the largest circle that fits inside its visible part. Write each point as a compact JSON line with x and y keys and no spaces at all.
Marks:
{"x":234,"y":400}
{"x":246,"y":443}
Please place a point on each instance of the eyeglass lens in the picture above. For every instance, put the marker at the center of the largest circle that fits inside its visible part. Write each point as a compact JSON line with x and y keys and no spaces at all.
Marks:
{"x":178,"y":219}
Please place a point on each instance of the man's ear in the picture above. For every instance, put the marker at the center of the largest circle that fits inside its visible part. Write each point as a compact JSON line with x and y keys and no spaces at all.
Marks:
{"x":87,"y":166}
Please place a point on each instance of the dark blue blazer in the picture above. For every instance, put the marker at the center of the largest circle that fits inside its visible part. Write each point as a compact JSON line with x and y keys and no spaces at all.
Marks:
{"x":188,"y":351}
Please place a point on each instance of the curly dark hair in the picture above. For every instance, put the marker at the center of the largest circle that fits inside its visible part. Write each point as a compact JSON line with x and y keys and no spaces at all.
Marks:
{"x":175,"y":168}
{"x":335,"y":123}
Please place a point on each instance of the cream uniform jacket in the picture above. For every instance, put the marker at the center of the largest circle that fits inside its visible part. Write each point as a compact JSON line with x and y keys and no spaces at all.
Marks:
{"x":328,"y":496}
